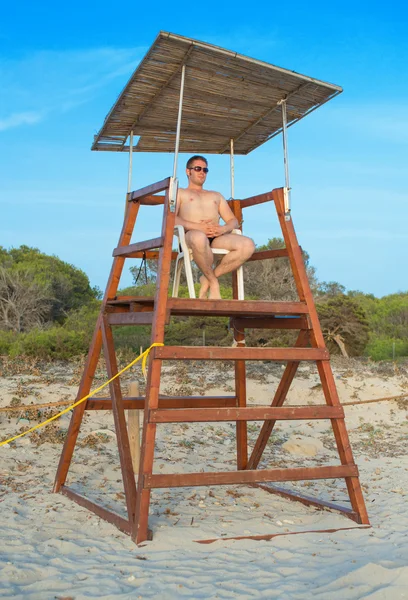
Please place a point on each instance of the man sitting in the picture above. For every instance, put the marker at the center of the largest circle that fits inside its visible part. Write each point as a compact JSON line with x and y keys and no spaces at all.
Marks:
{"x":199,"y":211}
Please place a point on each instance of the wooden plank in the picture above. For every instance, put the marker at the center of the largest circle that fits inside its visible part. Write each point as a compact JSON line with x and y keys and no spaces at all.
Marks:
{"x":149,"y":190}
{"x":122,"y":437}
{"x":317,"y":340}
{"x":127,"y":251}
{"x":133,"y":423}
{"x":94,"y":352}
{"x":235,"y":477}
{"x":140,"y":523}
{"x":230,"y":308}
{"x":270,"y":323}
{"x":266,"y":254}
{"x":164,"y":402}
{"x":278,"y":400}
{"x":259,"y":199}
{"x":128,"y":300}
{"x":130,"y":318}
{"x":251,"y":413}
{"x":240,"y":367}
{"x":152,"y":255}
{"x":226,"y":353}
{"x":112,"y":517}
{"x":150,"y":200}
{"x":307,"y":500}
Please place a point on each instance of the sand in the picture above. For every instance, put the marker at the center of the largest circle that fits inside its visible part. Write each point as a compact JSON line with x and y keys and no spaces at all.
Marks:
{"x":52,"y":548}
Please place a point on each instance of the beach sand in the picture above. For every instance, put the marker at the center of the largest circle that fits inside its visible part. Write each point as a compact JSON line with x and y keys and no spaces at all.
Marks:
{"x":52,"y":548}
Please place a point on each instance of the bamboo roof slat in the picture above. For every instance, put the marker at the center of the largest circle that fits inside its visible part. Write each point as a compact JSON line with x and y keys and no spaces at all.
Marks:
{"x":226,"y":96}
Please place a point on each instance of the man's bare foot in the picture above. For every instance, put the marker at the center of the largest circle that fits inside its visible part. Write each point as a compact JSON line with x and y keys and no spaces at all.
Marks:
{"x":215,"y":291}
{"x":205,"y":286}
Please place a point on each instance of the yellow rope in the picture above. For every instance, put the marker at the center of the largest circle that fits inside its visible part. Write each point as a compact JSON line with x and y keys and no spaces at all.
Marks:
{"x":143,"y":356}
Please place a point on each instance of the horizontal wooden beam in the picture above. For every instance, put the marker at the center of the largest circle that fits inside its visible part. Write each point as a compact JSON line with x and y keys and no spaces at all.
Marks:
{"x":152,"y":200}
{"x":308,"y":500}
{"x":270,"y":323}
{"x":113,"y":518}
{"x":231,"y":308}
{"x":243,"y":353}
{"x":250,"y":413}
{"x":152,"y":255}
{"x":261,"y":255}
{"x":265,"y":254}
{"x":149,"y":190}
{"x":236,"y":477}
{"x":259,"y":199}
{"x":140,"y":246}
{"x":130,"y":318}
{"x":138,"y":403}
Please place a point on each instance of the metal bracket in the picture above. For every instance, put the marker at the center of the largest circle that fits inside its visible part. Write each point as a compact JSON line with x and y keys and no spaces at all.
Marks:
{"x":286,"y":203}
{"x":173,"y":187}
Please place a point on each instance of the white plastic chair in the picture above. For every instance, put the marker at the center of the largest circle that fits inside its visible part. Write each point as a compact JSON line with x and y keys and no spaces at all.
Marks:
{"x":185,"y":256}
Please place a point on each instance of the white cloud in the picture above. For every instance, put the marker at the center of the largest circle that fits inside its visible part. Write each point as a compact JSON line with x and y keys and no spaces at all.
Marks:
{"x":48,"y":81}
{"x":22,"y":118}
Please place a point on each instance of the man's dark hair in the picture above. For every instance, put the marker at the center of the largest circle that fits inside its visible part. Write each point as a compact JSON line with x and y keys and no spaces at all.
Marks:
{"x":196,"y":157}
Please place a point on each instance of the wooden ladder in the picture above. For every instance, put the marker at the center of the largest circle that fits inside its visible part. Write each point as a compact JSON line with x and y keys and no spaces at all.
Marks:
{"x":244,"y":314}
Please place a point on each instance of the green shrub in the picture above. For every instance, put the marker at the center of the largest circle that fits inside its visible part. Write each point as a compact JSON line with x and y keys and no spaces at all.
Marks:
{"x":385,"y":348}
{"x":49,"y":344}
{"x":7,"y":339}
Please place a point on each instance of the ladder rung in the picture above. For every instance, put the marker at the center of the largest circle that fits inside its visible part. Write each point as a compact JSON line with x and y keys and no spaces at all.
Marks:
{"x":300,"y":322}
{"x":127,"y":251}
{"x":130,"y":318}
{"x":223,"y":353}
{"x":256,"y":476}
{"x":138,"y":402}
{"x":234,"y":308}
{"x":251,"y":413}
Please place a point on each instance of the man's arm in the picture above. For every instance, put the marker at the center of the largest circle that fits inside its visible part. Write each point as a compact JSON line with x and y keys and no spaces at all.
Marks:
{"x":226,"y":214}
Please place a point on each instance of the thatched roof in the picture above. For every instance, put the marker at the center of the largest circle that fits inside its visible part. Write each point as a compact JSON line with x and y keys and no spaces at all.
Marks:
{"x":226,"y":96}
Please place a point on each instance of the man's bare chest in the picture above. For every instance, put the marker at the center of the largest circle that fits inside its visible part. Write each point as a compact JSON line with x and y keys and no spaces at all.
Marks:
{"x":200,"y":204}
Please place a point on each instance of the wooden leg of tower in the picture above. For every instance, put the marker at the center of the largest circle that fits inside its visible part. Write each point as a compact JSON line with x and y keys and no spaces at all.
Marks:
{"x":317,"y":340}
{"x":77,"y":416}
{"x":241,"y":426}
{"x":139,"y":530}
{"x":94,"y":352}
{"x":278,"y":400}
{"x":342,"y":441}
{"x":240,"y":391}
{"x":120,"y":421}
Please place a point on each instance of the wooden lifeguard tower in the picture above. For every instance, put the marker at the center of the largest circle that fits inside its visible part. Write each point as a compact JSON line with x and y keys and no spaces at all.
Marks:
{"x":192,"y":97}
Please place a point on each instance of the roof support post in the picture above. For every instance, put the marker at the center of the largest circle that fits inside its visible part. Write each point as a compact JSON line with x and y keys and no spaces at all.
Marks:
{"x":285,"y":157}
{"x":129,"y":187}
{"x":173,"y":179}
{"x":232,"y":169}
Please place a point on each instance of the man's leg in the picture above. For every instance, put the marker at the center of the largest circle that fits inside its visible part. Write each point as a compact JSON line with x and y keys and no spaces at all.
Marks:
{"x":203,"y":257}
{"x":240,"y":249}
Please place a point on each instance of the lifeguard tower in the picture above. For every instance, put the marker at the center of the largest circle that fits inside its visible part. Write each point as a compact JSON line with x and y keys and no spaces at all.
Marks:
{"x":189,"y":96}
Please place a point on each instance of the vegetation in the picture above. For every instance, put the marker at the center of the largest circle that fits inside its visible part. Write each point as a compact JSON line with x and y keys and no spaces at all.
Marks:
{"x":48,"y":309}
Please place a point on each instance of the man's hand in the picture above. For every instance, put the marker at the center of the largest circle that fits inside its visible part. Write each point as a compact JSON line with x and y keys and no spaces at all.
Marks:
{"x":212,"y":229}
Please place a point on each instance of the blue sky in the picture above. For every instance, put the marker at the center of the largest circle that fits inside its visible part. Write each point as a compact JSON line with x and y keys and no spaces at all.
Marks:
{"x":63,"y":66}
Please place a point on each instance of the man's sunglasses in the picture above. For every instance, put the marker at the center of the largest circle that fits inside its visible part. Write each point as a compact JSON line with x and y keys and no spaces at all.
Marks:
{"x":198,"y":169}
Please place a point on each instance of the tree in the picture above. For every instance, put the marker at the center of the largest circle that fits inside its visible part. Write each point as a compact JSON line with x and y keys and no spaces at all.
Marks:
{"x":272,"y":279}
{"x":66,"y":286}
{"x":344,"y":325}
{"x":330,"y":289}
{"x":24,"y":303}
